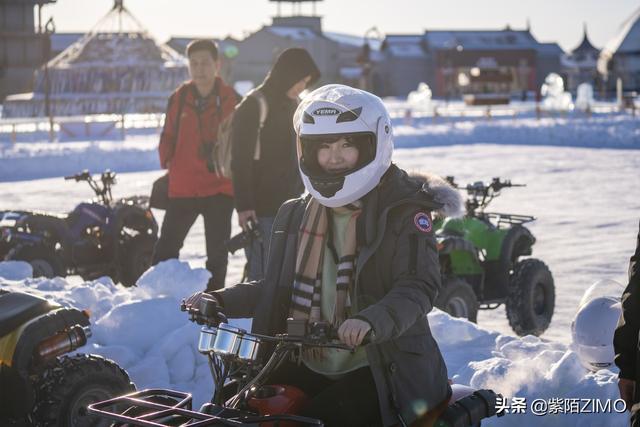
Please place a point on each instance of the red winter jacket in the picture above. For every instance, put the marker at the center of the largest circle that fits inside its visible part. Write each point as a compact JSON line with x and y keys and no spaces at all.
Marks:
{"x":188,"y":173}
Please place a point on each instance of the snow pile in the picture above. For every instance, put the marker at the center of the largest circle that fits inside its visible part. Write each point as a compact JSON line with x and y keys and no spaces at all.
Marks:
{"x":15,"y":270}
{"x":143,"y":330}
{"x":599,"y":131}
{"x":31,"y":160}
{"x":41,"y":160}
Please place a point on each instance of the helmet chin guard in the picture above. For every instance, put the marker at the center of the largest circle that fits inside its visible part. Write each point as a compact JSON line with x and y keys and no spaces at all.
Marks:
{"x":336,"y":111}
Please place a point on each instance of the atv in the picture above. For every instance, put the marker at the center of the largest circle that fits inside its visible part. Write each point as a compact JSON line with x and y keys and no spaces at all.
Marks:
{"x":40,"y":384}
{"x":98,"y":238}
{"x":484,"y":260}
{"x":243,"y":396}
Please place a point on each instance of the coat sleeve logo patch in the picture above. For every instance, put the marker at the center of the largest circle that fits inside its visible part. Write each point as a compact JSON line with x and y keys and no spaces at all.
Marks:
{"x":423,"y":222}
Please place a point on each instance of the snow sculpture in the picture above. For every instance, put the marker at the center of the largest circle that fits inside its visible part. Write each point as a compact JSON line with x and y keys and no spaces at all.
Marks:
{"x":554,"y":96}
{"x":584,"y":97}
{"x":420,"y":99}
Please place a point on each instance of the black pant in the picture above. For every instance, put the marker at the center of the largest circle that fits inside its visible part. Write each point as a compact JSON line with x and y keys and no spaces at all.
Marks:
{"x":180,"y":216}
{"x":350,"y":401}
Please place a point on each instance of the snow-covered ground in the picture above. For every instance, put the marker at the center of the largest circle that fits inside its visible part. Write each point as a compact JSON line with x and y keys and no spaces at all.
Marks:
{"x":37,"y":159}
{"x":583,"y":192}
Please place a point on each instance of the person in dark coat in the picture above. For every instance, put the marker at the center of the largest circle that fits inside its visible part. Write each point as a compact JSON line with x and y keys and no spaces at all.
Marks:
{"x":625,"y":340}
{"x":358,"y":252}
{"x":195,"y":111}
{"x":264,"y":181}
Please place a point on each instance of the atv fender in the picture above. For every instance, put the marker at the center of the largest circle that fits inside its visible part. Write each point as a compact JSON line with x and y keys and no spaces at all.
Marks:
{"x":40,"y":328}
{"x":136,"y":218}
{"x":455,"y":243}
{"x":517,"y":242}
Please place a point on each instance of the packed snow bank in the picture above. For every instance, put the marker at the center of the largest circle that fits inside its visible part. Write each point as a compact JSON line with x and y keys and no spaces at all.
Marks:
{"x":15,"y":270}
{"x":24,"y":161}
{"x":144,"y":331}
{"x":32,"y":160}
{"x":599,"y":131}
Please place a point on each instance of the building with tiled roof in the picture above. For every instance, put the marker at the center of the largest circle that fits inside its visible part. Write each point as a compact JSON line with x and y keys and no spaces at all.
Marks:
{"x":455,"y":62}
{"x":620,"y":57}
{"x":580,"y":65}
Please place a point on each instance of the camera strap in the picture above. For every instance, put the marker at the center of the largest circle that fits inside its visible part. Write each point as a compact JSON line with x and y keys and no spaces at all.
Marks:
{"x":201,"y":103}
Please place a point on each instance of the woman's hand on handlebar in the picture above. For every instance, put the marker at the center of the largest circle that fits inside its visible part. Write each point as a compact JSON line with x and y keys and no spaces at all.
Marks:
{"x":353,"y":331}
{"x":204,"y":307}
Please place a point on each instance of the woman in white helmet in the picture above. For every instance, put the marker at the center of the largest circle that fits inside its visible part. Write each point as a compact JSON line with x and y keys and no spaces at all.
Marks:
{"x":358,"y":252}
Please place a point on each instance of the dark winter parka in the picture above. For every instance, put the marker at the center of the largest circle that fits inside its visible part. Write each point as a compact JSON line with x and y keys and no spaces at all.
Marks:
{"x":397,"y":279}
{"x":625,"y":339}
{"x":263,"y":185}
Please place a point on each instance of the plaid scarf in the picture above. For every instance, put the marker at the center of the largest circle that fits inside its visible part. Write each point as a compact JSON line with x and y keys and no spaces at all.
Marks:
{"x":312,"y":239}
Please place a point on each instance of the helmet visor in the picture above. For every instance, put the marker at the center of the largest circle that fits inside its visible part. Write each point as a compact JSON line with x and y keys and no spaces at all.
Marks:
{"x":310,"y":145}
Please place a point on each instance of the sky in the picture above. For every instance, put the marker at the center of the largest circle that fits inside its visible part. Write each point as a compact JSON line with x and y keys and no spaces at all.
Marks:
{"x":551,"y":20}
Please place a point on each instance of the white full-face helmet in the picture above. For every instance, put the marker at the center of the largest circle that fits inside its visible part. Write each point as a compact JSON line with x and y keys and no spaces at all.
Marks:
{"x":332,"y":112}
{"x":592,"y":331}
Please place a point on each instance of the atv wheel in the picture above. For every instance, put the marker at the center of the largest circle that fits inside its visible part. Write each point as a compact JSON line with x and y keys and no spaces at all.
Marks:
{"x":64,"y":390}
{"x":531,"y":298}
{"x":458,"y":299}
{"x":136,"y":259}
{"x":43,"y":261}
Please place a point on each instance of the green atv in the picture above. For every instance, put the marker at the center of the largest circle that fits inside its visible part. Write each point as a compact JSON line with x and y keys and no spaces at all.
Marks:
{"x":483,"y":264}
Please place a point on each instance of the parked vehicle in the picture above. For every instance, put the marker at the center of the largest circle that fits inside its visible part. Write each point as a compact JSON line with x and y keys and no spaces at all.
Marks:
{"x":101,"y":237}
{"x":41,"y":383}
{"x":485,"y":262}
{"x":243,"y":395}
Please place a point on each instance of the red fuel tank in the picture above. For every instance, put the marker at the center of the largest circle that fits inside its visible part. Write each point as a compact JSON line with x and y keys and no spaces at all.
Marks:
{"x":278,"y":399}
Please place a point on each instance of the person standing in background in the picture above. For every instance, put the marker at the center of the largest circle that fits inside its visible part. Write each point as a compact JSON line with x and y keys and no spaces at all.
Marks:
{"x":195,"y":111}
{"x":263,"y":161}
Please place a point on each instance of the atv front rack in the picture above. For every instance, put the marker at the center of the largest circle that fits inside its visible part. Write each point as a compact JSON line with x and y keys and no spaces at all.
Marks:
{"x":156,"y":414}
{"x":502,"y":219}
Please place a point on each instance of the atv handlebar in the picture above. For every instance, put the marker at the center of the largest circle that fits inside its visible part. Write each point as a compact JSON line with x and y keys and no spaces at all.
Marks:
{"x":108,"y":178}
{"x":85,"y":175}
{"x":205,"y":310}
{"x":495,"y":186}
{"x":481,"y":194}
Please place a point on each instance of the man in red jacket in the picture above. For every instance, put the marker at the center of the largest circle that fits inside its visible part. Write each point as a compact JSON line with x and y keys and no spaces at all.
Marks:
{"x":194,"y":112}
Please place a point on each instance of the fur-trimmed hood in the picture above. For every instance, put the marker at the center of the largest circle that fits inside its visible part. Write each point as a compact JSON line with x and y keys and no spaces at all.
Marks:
{"x":443,"y":192}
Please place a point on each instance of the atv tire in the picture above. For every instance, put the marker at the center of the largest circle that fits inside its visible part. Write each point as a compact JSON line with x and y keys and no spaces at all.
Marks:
{"x":43,"y":260}
{"x":64,"y":390}
{"x":136,"y":259}
{"x":531,"y":298}
{"x":458,"y":299}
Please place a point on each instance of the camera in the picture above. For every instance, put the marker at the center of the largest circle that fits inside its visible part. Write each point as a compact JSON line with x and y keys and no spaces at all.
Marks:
{"x":244,"y":239}
{"x":206,"y":152}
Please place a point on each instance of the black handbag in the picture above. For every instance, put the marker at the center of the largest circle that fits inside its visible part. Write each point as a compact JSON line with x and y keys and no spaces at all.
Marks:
{"x":160,"y":193}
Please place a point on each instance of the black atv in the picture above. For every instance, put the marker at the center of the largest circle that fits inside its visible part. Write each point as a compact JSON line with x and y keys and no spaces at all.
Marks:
{"x":40,"y":384}
{"x":98,"y":238}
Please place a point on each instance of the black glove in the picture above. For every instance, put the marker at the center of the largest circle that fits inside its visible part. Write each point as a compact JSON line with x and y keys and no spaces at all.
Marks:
{"x":204,"y":308}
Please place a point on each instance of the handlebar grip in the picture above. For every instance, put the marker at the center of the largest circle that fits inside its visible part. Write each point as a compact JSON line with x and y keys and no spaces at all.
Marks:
{"x":69,"y":178}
